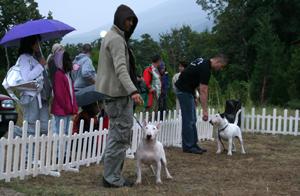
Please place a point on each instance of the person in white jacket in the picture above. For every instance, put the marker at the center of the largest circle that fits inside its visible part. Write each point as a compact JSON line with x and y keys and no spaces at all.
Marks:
{"x":32,"y":66}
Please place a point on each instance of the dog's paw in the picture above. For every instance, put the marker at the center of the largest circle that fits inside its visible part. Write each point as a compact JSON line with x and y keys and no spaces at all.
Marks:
{"x":229,"y":154}
{"x":218,"y":152}
{"x":169,"y":177}
{"x":243,"y":152}
{"x":137,"y":182}
{"x":158,"y":182}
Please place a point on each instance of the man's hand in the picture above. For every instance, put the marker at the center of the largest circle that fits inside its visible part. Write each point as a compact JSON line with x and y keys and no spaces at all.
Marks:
{"x":204,"y":116}
{"x":136,"y":97}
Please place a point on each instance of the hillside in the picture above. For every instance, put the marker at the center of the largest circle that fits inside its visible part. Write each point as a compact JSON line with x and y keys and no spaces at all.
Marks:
{"x":157,"y":20}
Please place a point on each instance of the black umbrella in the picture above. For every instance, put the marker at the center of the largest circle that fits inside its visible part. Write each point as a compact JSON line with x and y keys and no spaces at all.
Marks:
{"x":89,"y":95}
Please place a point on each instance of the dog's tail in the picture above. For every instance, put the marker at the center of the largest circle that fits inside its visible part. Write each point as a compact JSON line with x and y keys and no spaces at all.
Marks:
{"x":237,"y":116}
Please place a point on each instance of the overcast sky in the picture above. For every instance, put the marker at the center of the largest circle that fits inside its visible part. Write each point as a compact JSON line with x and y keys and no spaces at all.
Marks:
{"x":87,"y":15}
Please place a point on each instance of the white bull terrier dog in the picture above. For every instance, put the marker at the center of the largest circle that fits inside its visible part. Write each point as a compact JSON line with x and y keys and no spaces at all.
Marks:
{"x":149,"y":152}
{"x":227,"y":131}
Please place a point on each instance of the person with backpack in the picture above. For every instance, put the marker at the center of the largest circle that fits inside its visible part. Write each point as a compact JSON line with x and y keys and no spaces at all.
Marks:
{"x":165,"y":85}
{"x":85,"y":74}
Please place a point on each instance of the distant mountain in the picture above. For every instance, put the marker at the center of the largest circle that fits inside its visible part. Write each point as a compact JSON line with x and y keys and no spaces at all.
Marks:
{"x":157,"y":20}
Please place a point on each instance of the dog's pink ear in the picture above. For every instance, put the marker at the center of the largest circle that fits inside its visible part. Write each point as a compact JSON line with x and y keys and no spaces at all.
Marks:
{"x":157,"y":125}
{"x":144,"y":123}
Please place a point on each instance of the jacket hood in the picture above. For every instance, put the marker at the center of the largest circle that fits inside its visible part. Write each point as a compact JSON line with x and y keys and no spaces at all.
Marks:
{"x":122,"y":13}
{"x":80,"y":56}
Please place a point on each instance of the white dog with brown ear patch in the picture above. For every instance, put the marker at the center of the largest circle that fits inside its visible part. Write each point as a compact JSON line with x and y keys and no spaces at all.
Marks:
{"x":149,"y":152}
{"x":227,"y":131}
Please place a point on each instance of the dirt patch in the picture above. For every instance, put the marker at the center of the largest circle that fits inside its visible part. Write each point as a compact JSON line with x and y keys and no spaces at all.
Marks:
{"x":270,"y":167}
{"x":9,"y":192}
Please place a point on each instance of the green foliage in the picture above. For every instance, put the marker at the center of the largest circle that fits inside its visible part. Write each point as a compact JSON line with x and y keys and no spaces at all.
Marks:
{"x":256,"y":35}
{"x":293,"y":74}
{"x":294,"y":104}
{"x":144,"y":50}
{"x":267,"y":73}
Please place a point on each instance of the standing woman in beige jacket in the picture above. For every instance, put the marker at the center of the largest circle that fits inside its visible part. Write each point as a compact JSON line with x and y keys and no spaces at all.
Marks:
{"x":116,"y":78}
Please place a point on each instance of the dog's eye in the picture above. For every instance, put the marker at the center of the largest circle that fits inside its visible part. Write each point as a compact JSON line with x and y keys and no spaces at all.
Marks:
{"x":153,"y":128}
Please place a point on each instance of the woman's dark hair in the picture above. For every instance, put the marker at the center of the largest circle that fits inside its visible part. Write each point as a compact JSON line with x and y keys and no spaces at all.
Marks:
{"x":91,"y":109}
{"x":183,"y":63}
{"x":155,"y":58}
{"x":86,"y":48}
{"x":67,"y":62}
{"x":26,"y":44}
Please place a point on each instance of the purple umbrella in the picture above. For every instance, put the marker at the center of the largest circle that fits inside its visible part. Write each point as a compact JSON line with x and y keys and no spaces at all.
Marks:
{"x":46,"y":28}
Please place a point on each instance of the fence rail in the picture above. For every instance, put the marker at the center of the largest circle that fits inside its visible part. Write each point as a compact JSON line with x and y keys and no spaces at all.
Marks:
{"x":49,"y":154}
{"x":273,"y":123}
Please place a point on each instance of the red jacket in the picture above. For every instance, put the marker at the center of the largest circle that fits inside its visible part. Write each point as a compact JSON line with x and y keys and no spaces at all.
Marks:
{"x":62,"y":104}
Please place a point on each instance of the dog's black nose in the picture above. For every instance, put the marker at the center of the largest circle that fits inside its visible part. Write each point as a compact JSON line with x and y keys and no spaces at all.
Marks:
{"x":210,"y":122}
{"x":148,"y":137}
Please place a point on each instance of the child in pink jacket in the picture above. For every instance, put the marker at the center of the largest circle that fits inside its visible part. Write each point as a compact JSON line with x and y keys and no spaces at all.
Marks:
{"x":64,"y":104}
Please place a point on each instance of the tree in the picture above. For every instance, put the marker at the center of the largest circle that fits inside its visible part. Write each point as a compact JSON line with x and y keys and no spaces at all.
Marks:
{"x":144,"y":50}
{"x":13,"y":12}
{"x":293,"y":74}
{"x":267,"y":74}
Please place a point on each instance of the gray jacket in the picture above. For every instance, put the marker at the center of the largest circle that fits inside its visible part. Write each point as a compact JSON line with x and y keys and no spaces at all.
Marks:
{"x":113,"y":77}
{"x":84,"y":73}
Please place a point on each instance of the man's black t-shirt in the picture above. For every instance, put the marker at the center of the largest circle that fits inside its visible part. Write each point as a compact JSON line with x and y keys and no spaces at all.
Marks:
{"x":198,"y":72}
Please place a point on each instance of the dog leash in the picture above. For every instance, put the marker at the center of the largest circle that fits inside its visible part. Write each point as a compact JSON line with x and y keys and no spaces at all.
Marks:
{"x":220,"y":130}
{"x":138,"y":122}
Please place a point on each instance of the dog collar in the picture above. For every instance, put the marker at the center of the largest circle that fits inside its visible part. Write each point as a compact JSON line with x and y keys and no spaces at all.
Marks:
{"x":220,"y":130}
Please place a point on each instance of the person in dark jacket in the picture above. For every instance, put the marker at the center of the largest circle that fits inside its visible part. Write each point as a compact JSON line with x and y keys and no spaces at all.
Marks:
{"x":165,"y":85}
{"x":195,"y":76}
{"x":116,"y":78}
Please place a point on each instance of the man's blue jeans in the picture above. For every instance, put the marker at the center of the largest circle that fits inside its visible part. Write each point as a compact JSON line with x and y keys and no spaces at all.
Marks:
{"x":189,"y":119}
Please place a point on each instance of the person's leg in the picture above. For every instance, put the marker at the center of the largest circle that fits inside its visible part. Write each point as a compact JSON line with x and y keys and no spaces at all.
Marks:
{"x":195,"y":132}
{"x":44,"y":117}
{"x":66,"y":120}
{"x":120,"y":114}
{"x":31,"y":115}
{"x":187,"y":106}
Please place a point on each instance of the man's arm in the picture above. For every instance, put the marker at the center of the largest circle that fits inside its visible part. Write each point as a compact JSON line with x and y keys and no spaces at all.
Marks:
{"x":203,"y":91}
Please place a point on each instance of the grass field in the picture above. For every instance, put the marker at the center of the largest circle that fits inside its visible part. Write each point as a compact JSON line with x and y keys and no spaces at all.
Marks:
{"x":270,"y":167}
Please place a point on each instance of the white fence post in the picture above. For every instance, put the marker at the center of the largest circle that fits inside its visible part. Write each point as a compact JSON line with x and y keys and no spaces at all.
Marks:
{"x":2,"y":158}
{"x":263,"y":119}
{"x":9,"y":151}
{"x":23,"y":149}
{"x":252,"y":119}
{"x":285,"y":121}
{"x":243,"y":119}
{"x":274,"y":120}
{"x":23,"y":156}
{"x":296,"y":128}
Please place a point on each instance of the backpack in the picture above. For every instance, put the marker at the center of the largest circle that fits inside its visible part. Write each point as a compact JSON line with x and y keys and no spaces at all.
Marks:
{"x":15,"y":84}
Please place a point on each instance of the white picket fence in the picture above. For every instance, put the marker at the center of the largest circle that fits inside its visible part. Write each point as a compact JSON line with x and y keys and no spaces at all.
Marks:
{"x":46,"y":153}
{"x":271,"y":123}
{"x":86,"y":148}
